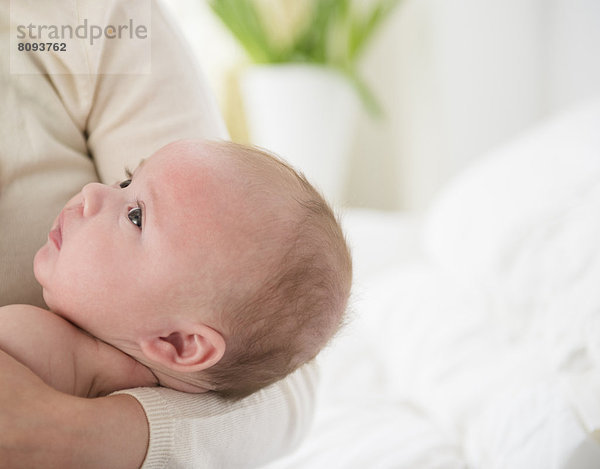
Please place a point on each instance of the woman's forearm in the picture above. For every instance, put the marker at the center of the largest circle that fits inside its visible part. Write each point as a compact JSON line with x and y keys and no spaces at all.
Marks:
{"x":41,"y":427}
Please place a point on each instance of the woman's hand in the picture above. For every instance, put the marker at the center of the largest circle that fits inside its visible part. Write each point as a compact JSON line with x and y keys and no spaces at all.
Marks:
{"x":41,"y":427}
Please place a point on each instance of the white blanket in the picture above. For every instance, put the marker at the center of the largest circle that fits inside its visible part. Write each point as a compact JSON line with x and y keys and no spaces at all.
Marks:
{"x":480,"y":348}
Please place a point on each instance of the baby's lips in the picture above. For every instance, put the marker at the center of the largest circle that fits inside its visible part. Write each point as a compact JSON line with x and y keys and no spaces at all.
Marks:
{"x":55,"y":234}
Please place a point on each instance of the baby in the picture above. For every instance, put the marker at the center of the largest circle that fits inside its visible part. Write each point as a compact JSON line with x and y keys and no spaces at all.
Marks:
{"x":214,"y":267}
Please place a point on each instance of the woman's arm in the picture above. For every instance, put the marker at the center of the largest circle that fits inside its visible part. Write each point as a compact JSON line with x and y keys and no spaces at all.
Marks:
{"x":41,"y":427}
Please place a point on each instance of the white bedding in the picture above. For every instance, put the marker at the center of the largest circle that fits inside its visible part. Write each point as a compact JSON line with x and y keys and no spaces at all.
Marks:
{"x":474,"y":338}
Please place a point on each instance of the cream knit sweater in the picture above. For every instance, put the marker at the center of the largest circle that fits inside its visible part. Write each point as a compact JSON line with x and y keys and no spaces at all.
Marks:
{"x":83,"y":114}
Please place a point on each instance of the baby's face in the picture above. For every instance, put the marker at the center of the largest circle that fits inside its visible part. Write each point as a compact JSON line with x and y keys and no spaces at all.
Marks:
{"x":119,"y":256}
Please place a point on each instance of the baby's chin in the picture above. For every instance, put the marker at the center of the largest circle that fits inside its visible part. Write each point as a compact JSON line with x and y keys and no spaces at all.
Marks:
{"x":39,"y":261}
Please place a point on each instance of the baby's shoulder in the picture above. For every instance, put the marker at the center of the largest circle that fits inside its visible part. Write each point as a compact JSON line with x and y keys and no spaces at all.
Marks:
{"x":22,"y":313}
{"x":37,"y":324}
{"x":47,"y":344}
{"x":22,"y":309}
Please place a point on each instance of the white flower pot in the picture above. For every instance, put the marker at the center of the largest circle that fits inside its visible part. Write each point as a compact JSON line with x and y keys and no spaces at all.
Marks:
{"x":306,"y":114}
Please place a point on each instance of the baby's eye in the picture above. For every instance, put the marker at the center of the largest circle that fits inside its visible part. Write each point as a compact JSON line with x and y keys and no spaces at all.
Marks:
{"x":135,"y":216}
{"x":125,"y":183}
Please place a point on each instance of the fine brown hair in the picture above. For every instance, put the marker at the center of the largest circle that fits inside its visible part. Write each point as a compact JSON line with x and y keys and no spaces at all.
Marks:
{"x":299,"y":302}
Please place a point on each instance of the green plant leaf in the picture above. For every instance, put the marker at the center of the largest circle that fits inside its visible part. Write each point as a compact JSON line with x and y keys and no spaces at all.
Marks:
{"x":361,"y":30}
{"x":366,"y":95}
{"x":242,"y":19}
{"x":334,"y":36}
{"x":312,"y":43}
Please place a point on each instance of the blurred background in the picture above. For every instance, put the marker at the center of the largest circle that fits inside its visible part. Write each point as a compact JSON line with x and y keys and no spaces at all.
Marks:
{"x":453,"y":79}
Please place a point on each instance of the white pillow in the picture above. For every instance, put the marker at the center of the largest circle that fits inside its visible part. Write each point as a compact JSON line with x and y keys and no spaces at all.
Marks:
{"x":523,"y":224}
{"x":478,"y":222}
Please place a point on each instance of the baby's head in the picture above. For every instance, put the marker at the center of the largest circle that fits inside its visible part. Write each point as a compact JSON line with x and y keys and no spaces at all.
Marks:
{"x":216,"y":265}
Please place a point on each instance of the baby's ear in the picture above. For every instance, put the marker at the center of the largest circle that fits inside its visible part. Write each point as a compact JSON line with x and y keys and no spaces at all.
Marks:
{"x":195,"y":349}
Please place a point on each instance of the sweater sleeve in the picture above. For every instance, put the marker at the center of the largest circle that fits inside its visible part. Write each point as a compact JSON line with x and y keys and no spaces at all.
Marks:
{"x":145,"y":92}
{"x":205,"y":430}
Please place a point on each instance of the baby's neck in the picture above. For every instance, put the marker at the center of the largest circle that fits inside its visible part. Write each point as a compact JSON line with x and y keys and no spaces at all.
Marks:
{"x":170,"y":379}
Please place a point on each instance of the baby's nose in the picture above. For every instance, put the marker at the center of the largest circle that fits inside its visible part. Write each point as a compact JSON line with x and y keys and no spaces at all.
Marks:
{"x":93,"y":195}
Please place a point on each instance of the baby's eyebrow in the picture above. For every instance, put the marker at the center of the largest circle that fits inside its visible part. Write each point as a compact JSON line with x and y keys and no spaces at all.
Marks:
{"x":129,"y":173}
